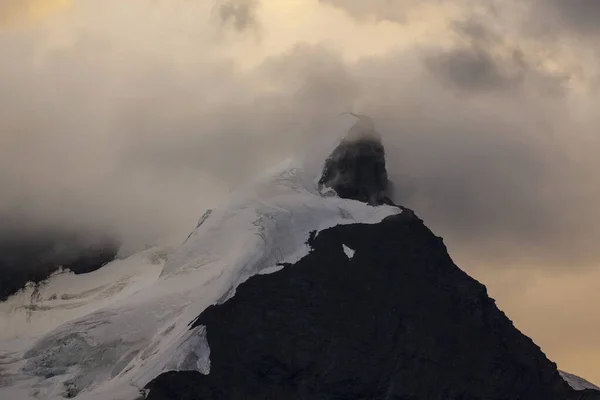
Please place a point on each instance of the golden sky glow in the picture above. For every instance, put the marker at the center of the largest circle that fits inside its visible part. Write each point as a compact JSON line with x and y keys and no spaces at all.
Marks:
{"x":14,"y":12}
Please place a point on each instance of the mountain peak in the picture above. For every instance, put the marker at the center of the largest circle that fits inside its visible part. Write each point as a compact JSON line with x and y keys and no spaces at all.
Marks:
{"x":397,"y":320}
{"x":283,"y":293}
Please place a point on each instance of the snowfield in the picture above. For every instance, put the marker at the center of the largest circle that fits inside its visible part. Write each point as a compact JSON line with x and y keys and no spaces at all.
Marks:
{"x":106,"y":334}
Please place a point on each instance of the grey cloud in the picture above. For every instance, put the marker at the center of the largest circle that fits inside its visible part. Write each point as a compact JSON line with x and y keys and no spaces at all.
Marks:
{"x":473,"y":69}
{"x":574,"y":15}
{"x":550,"y":16}
{"x":474,"y":66}
{"x":399,"y":11}
{"x":476,"y":31}
{"x":241,"y":14}
{"x":390,"y":10}
{"x":563,"y":30}
{"x":470,"y":69}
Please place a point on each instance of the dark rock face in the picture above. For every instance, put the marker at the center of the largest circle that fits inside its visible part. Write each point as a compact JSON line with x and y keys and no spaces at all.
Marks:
{"x":587,"y":394}
{"x":356,"y":170}
{"x":398,"y":321}
{"x":33,"y":257}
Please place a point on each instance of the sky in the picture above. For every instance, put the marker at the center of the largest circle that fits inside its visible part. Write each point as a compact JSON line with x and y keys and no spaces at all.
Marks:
{"x":134,"y":117}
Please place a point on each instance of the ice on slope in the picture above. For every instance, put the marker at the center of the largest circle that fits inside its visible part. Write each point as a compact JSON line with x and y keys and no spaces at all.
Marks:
{"x":577,"y":383}
{"x":131,"y":340}
{"x":348,"y":251}
{"x":37,"y":309}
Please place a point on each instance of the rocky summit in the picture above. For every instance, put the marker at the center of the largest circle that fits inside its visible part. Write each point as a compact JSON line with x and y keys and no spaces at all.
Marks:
{"x":356,"y":170}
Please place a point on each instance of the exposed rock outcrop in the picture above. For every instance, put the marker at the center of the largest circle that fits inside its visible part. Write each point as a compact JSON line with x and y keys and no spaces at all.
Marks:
{"x":356,"y":168}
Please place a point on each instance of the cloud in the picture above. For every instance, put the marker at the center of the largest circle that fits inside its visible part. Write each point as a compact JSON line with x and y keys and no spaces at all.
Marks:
{"x":241,"y":14}
{"x":97,"y":136}
{"x":141,"y":142}
{"x":579,"y":16}
{"x":484,"y":62}
{"x":470,"y":69}
{"x":553,"y":15}
{"x":138,"y":134}
{"x":18,"y":11}
{"x":394,"y":10}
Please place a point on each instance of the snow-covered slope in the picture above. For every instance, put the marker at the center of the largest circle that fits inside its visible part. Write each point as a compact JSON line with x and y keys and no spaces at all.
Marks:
{"x":64,"y":296}
{"x":578,"y":383}
{"x":109,"y":333}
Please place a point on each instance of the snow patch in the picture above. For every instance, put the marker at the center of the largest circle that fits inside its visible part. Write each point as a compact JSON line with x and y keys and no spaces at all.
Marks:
{"x":271,"y":270}
{"x":349,"y":252}
{"x":64,"y":296}
{"x":576,"y":382}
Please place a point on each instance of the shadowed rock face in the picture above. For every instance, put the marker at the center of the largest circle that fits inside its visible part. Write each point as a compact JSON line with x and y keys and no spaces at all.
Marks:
{"x":356,"y":167}
{"x":397,"y":321}
{"x":356,"y":170}
{"x":34,"y":256}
